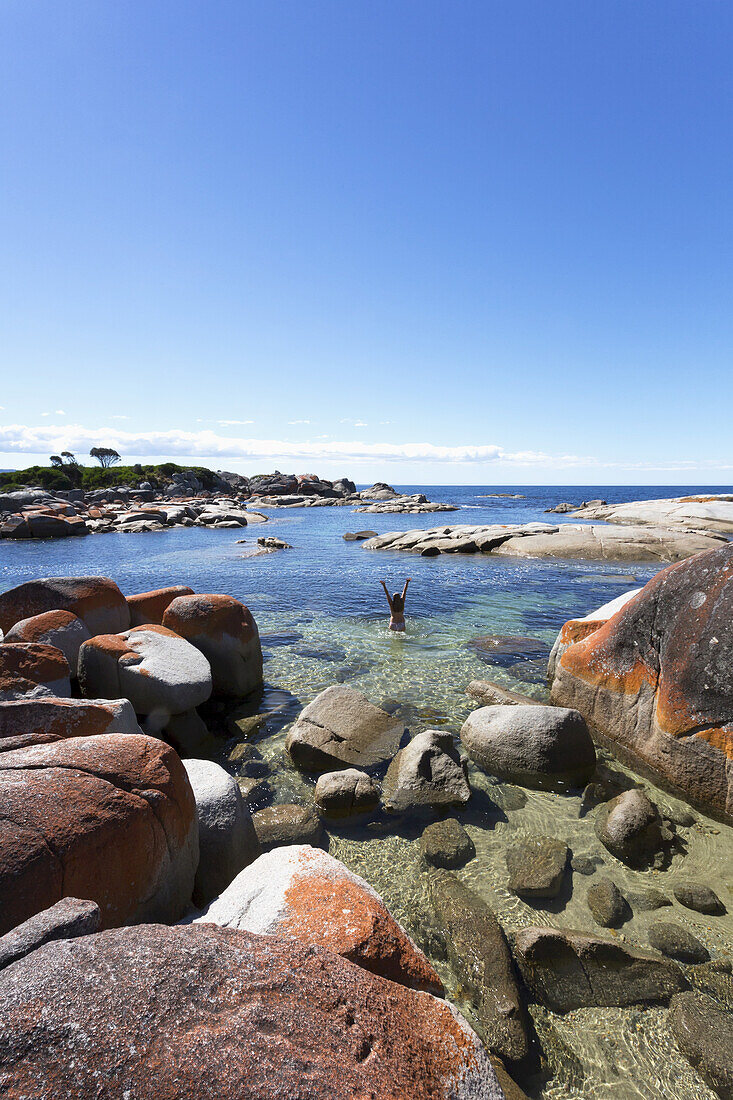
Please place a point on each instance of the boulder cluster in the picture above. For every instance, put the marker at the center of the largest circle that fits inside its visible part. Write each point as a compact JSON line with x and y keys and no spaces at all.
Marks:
{"x":183,"y":943}
{"x":184,"y":502}
{"x":139,"y":904}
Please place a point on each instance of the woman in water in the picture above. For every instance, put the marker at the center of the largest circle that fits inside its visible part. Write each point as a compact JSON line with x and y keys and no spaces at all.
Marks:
{"x":396,"y":606}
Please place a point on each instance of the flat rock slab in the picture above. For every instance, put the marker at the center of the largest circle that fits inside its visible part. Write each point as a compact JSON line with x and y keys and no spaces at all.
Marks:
{"x":342,"y":727}
{"x":206,"y":1011}
{"x":303,"y":892}
{"x":694,"y":513}
{"x":602,"y":542}
{"x":565,"y":970}
{"x":35,"y":721}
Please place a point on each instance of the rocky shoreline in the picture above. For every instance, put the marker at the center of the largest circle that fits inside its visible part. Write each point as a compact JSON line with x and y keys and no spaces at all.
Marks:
{"x":143,"y":899}
{"x":183,"y":502}
{"x":566,"y":540}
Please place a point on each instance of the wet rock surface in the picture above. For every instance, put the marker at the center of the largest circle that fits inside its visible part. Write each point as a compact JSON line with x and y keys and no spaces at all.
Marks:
{"x":677,"y":942}
{"x":607,"y":904}
{"x":446,"y":844}
{"x":701,"y":898}
{"x":481,"y":956}
{"x":566,"y":970}
{"x":537,"y":866}
{"x":704,"y":1034}
{"x":630,"y":827}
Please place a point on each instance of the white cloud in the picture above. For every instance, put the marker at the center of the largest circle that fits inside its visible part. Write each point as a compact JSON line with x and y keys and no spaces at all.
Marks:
{"x":354,"y":423}
{"x":59,"y":412}
{"x":233,"y":423}
{"x":20,"y":438}
{"x":45,"y":414}
{"x":47,"y":439}
{"x":298,"y":421}
{"x":118,"y":416}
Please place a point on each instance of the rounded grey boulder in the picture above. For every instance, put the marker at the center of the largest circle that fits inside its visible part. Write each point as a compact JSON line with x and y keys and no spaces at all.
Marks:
{"x":347,"y":792}
{"x":227,"y":838}
{"x":548,"y":748}
{"x":630,"y":827}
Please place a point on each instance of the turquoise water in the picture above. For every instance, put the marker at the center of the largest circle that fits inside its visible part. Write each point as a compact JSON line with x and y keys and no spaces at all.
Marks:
{"x":323,"y":618}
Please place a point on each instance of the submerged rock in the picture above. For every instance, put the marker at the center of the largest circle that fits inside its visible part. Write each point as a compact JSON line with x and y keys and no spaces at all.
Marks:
{"x":535,"y":746}
{"x":647,"y":899}
{"x":704,"y":1034}
{"x":301,"y":891}
{"x":446,"y":844}
{"x":205,"y":1011}
{"x":427,"y":772}
{"x":607,"y":904}
{"x":630,"y":827}
{"x":341,"y":727}
{"x":536,"y":866}
{"x":481,"y":957}
{"x":489,"y":694}
{"x":566,"y":970}
{"x":694,"y":895}
{"x":677,"y":942}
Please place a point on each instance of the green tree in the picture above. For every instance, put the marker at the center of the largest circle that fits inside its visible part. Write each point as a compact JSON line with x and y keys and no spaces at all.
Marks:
{"x":105,"y":456}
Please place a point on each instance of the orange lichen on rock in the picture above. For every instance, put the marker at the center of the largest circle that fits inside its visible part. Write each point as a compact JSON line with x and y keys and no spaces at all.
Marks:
{"x":149,"y":607}
{"x":657,"y":679}
{"x":210,"y":614}
{"x":339,"y":914}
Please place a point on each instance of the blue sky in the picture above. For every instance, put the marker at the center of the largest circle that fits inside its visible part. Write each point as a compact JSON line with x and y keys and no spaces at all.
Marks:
{"x":481,"y":242}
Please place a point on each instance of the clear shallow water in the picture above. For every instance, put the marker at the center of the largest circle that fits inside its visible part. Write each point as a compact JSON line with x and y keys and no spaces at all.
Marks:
{"x":323,"y":619}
